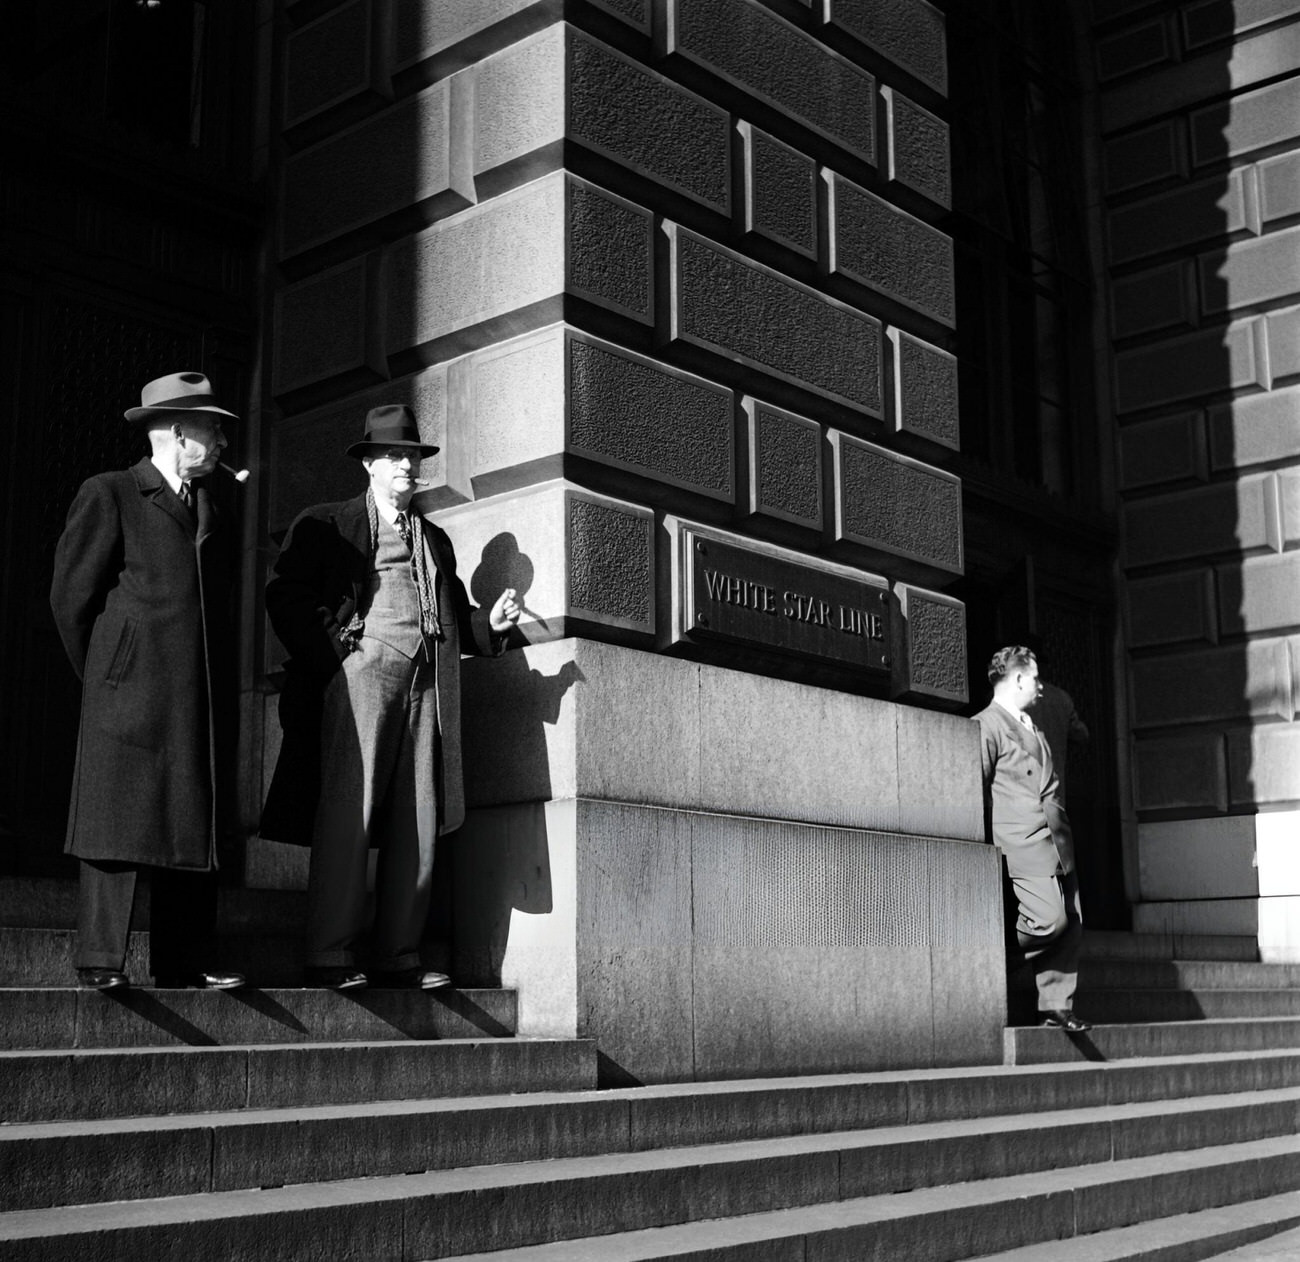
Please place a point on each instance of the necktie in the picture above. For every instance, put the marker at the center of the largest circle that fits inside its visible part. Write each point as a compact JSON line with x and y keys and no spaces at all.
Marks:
{"x":187,"y":496}
{"x":404,"y":529}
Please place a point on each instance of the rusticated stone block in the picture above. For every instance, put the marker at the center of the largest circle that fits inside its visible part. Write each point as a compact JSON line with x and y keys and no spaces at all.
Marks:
{"x":310,"y":465}
{"x":785,"y":464}
{"x":878,"y":245}
{"x":1172,"y":609}
{"x":633,"y":413}
{"x":1184,"y":773}
{"x":515,"y":400}
{"x":610,"y":552}
{"x":1208,"y":22}
{"x":329,"y":61}
{"x":749,"y":46}
{"x":637,"y":12}
{"x":1260,"y":594}
{"x":1283,"y":336}
{"x":911,"y":33}
{"x":1137,"y":48}
{"x":1279,"y":187}
{"x":745,"y":311}
{"x":610,"y":248}
{"x":1167,"y":450}
{"x":899,"y":505}
{"x":1198,"y":363}
{"x":1264,"y":765}
{"x":407,"y":154}
{"x":1144,"y":157}
{"x":934,"y":645}
{"x":925,"y":390}
{"x":780,"y":191}
{"x":1162,"y":298}
{"x":918,"y":148}
{"x":1250,"y":272}
{"x":1209,"y":521}
{"x":1250,"y":120}
{"x":1237,"y":681}
{"x":1288,"y":499}
{"x":519,"y":99}
{"x":326,"y":325}
{"x":649,"y":124}
{"x":1255,"y":429}
{"x":1204,"y":211}
{"x":422,"y":30}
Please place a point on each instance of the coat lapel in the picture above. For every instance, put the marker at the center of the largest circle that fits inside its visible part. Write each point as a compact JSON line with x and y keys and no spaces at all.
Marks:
{"x":153,"y":485}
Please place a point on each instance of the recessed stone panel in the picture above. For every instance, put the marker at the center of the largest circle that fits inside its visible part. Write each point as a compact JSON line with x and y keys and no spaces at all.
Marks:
{"x":1279,"y":187}
{"x":1250,"y":272}
{"x":1264,"y":765}
{"x":1197,"y":363}
{"x":1145,"y":157}
{"x":328,"y":61}
{"x":325,"y":325}
{"x":1136,"y":48}
{"x":925,"y":390}
{"x":878,"y":245}
{"x":1260,"y":594}
{"x":610,"y":245}
{"x":610,"y":553}
{"x":724,"y":302}
{"x":1172,"y":609}
{"x":1166,"y":450}
{"x":1249,"y":121}
{"x":917,"y":147}
{"x":1236,"y":681}
{"x":1255,"y":429}
{"x":1181,"y":774}
{"x":887,"y":501}
{"x":626,"y":112}
{"x":397,"y":159}
{"x":911,"y":33}
{"x":1162,"y":298}
{"x":780,"y":191}
{"x":519,"y":99}
{"x":751,"y":47}
{"x":1206,"y":522}
{"x":785,"y":464}
{"x":934,"y":645}
{"x":637,"y":414}
{"x":1188,"y":215}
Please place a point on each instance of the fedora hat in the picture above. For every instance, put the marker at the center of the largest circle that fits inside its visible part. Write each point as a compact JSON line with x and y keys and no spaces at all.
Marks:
{"x":176,"y":392}
{"x":392,"y":425}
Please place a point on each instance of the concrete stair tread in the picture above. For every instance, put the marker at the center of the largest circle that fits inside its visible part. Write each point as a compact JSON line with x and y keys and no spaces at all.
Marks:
{"x":604,"y":1180}
{"x":1178,"y":974}
{"x":1134,"y":1040}
{"x":1104,"y":944}
{"x":1280,"y":1247}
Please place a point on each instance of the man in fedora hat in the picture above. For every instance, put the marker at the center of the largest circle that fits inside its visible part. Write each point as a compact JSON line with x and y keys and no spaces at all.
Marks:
{"x":141,"y":598}
{"x":365,"y":597}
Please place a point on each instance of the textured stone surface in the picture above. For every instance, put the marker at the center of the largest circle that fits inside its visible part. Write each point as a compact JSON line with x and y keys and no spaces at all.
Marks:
{"x":780,"y":191}
{"x":516,"y":401}
{"x":1166,"y":450}
{"x":1207,"y":22}
{"x":1136,"y":48}
{"x":1230,"y":517}
{"x":392,"y":161}
{"x":889,"y":250}
{"x":1237,"y":681}
{"x":1181,"y":774}
{"x":1260,"y":594}
{"x":1250,"y":272}
{"x":918,"y":148}
{"x":1197,"y":859}
{"x":743,"y":310}
{"x":1264,"y":765}
{"x":785,"y":464}
{"x":902,"y":506}
{"x":610,"y":250}
{"x":611,"y":562}
{"x":1283,"y":336}
{"x":934,"y":642}
{"x":323,"y":325}
{"x":1199,"y":363}
{"x":911,"y":33}
{"x":1251,"y":120}
{"x":421,"y":30}
{"x":631,"y":412}
{"x":637,"y":12}
{"x":327,"y":61}
{"x":1145,"y":157}
{"x":519,"y":99}
{"x":925,"y":390}
{"x":1188,"y":215}
{"x":928,"y":742}
{"x":622,"y":110}
{"x":1255,"y":429}
{"x":1279,"y":187}
{"x":1171,"y":609}
{"x":1161,"y":298}
{"x":765,"y":55}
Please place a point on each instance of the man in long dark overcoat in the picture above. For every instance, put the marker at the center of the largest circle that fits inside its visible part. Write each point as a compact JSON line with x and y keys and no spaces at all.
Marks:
{"x":366,"y":598}
{"x":141,"y":598}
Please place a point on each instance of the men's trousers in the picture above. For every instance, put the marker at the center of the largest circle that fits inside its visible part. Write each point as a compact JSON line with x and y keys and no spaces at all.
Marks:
{"x":1049,"y":929}
{"x":379,"y":733}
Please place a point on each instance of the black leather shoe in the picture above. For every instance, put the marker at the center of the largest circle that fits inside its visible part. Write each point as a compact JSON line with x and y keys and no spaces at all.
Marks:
{"x":200,"y":981}
{"x":1064,"y":1019}
{"x":413,"y":979}
{"x":102,"y":978}
{"x":341,"y":978}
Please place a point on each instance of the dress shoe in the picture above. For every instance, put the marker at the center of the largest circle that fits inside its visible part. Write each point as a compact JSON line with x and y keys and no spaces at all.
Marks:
{"x":413,"y":979}
{"x":340,"y":978}
{"x":102,"y":978}
{"x":200,"y":980}
{"x":1064,"y":1019}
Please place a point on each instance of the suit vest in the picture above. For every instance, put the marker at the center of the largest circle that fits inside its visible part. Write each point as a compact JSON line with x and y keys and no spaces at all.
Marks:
{"x":393,"y":612}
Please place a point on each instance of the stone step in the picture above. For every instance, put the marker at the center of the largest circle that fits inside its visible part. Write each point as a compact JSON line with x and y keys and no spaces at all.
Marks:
{"x":1116,"y":1006}
{"x":79,"y":1086}
{"x":1111,"y":944}
{"x":61,"y":1017}
{"x":1283,"y":1247}
{"x":1186,"y":975}
{"x":1034,"y":1045}
{"x":783,"y":1194}
{"x":64,"y":1163}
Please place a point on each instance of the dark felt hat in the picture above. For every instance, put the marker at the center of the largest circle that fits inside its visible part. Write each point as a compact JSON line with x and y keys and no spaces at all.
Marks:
{"x":392,"y":425}
{"x":176,"y":392}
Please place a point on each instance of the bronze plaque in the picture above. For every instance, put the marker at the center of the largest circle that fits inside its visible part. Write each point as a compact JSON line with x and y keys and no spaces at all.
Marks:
{"x":735,"y":594}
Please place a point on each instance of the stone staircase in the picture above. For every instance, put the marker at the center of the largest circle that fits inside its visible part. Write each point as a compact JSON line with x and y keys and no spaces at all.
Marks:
{"x":284,"y":1123}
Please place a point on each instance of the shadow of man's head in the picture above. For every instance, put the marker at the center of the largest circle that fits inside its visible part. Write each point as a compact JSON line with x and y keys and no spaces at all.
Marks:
{"x":502,"y":565}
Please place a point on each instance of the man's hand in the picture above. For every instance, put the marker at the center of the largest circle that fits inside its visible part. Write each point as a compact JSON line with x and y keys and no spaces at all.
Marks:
{"x":505,"y":613}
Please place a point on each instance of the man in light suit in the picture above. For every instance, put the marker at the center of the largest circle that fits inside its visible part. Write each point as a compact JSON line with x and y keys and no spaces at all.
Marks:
{"x":1027,"y":821}
{"x":366,"y":598}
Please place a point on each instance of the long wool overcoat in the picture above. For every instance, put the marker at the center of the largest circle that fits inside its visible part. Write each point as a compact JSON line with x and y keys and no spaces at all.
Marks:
{"x":141,"y":599}
{"x":321,"y":575}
